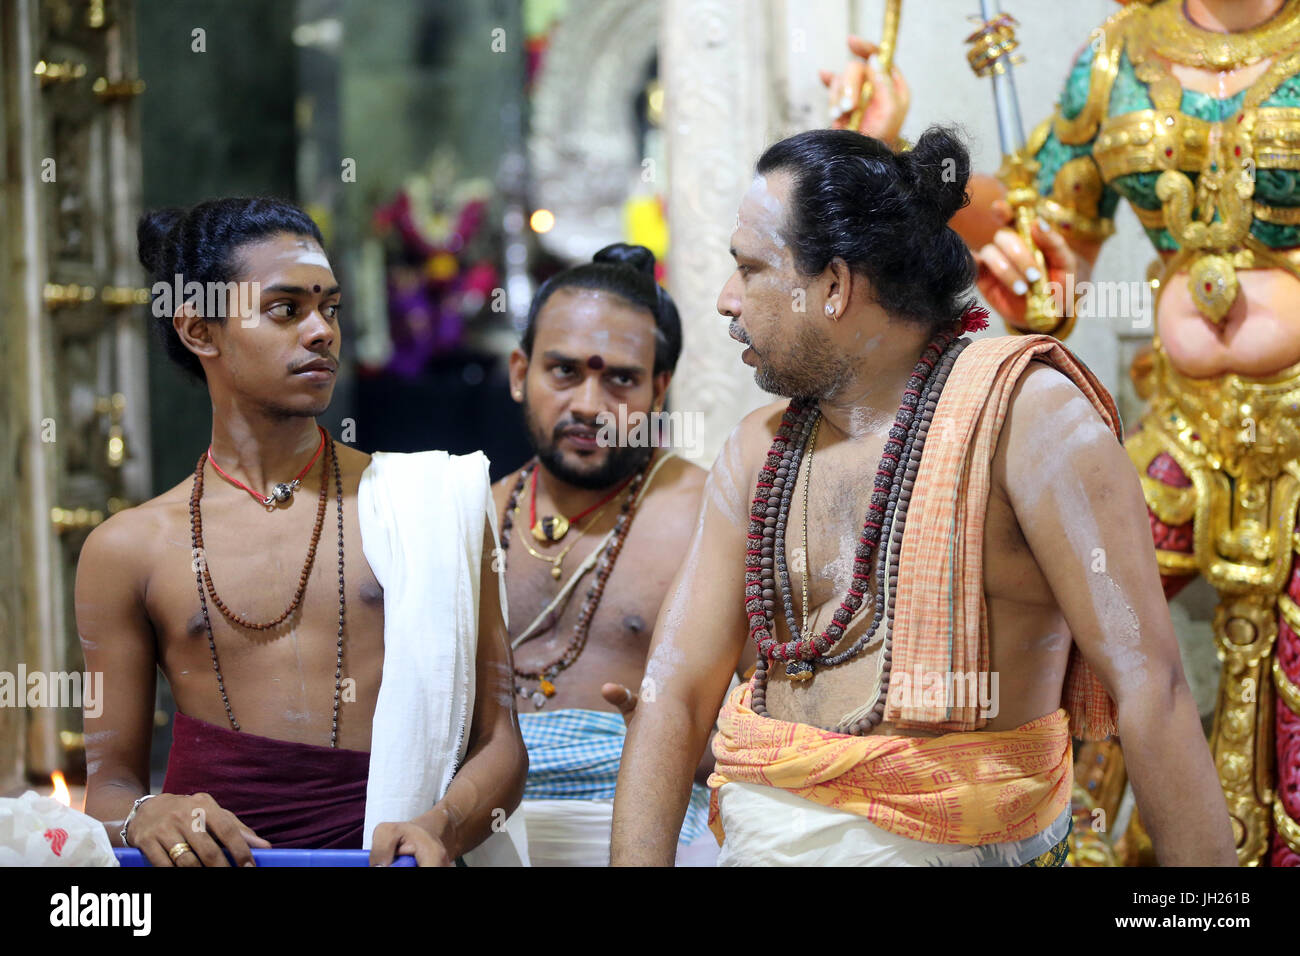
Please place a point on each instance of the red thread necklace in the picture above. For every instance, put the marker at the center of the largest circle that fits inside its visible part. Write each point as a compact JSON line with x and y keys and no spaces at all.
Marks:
{"x":554,"y":527}
{"x":284,"y":490}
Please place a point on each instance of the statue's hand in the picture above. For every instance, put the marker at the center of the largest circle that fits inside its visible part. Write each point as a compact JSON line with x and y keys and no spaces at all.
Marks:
{"x":887,"y":109}
{"x":1006,"y":267}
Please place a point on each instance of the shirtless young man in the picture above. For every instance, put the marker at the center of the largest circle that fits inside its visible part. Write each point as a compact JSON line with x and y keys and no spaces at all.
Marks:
{"x":1018,"y":549}
{"x":273,"y":741}
{"x":600,"y":346}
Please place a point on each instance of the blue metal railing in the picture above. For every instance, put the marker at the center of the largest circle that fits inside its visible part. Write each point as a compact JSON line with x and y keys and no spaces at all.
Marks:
{"x":133,"y":857}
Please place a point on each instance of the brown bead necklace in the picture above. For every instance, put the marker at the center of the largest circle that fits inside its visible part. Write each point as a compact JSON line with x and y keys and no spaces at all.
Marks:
{"x":546,"y":674}
{"x":203,"y":579}
{"x":895,"y":476}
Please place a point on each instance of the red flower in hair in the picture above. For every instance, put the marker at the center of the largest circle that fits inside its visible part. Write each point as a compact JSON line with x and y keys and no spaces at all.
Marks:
{"x":974,"y":319}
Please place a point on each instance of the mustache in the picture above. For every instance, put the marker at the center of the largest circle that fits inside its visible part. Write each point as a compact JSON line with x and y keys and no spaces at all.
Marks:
{"x":737,"y":332}
{"x":333,"y":361}
{"x":571,"y":425}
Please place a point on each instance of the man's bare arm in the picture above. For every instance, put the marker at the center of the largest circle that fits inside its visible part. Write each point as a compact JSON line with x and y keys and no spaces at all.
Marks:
{"x":697,"y":641}
{"x":490,"y":782}
{"x":118,"y":642}
{"x":1080,"y":507}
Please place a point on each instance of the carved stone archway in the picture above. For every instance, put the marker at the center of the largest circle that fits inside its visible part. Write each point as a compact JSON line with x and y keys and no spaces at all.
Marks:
{"x":583,"y":139}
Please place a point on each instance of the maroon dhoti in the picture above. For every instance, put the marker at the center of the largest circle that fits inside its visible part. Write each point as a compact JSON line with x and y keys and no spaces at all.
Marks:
{"x":291,"y":794}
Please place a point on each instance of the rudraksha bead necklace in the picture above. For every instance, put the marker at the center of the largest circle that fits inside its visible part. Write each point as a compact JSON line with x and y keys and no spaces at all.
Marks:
{"x":895,"y":476}
{"x":196,"y":520}
{"x":203,"y":580}
{"x":546,"y":674}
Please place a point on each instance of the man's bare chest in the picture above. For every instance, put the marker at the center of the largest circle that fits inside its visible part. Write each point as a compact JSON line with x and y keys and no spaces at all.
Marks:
{"x":545,"y":610}
{"x":257,"y":572}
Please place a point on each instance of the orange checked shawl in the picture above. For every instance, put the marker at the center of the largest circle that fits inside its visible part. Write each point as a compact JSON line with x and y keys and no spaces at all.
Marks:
{"x":972,"y":789}
{"x":940,"y":623}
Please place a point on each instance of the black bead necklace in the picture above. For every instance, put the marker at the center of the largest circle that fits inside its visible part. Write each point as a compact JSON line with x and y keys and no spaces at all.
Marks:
{"x":895,"y":478}
{"x":200,"y":571}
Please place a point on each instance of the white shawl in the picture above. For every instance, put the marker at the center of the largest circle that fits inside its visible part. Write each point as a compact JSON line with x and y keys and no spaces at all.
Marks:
{"x":422,"y":521}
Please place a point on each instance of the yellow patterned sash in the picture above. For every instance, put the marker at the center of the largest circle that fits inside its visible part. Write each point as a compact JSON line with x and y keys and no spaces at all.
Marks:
{"x":970,"y":788}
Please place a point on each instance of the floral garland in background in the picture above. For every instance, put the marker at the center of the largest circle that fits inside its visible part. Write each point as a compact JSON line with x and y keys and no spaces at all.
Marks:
{"x":440,"y":264}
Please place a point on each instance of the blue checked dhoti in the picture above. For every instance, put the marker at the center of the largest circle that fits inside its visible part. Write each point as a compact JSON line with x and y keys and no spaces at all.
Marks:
{"x":574,"y":755}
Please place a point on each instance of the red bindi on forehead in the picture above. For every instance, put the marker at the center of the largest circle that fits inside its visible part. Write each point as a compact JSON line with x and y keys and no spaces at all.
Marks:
{"x":595,"y":363}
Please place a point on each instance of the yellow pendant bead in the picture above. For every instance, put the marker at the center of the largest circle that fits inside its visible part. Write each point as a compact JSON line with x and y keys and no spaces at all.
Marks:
{"x":547,"y":688}
{"x":551,"y":528}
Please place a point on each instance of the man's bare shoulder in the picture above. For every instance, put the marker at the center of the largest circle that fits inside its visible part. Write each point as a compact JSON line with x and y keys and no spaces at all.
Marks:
{"x":750,"y":440}
{"x":1046,"y":401}
{"x":502,"y":487}
{"x":124,"y":543}
{"x":1051,"y":425}
{"x":681,"y":476}
{"x":676,"y":490}
{"x":352,"y":461}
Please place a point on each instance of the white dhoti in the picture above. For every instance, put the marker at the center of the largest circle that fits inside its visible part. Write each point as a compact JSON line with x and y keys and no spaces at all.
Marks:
{"x":573,"y":760}
{"x":568,"y":832}
{"x":767,"y":826}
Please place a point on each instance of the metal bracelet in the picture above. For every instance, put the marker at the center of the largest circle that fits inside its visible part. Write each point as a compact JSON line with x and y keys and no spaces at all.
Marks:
{"x":131,"y":816}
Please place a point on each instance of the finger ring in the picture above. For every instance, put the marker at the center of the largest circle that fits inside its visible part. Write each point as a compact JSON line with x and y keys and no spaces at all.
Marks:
{"x":178,"y":850}
{"x":628,"y":691}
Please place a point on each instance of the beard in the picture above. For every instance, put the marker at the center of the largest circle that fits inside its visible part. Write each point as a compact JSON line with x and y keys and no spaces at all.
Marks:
{"x":810,"y":370}
{"x":315,"y":410}
{"x":619,"y":463}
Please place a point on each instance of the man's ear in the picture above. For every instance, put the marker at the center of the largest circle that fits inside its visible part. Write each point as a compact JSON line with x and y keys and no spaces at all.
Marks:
{"x":661,"y":381}
{"x":839,"y":288}
{"x":195,"y":331}
{"x":518,"y":371}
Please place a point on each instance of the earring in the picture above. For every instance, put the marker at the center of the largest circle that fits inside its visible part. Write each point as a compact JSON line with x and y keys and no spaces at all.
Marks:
{"x":830,"y":309}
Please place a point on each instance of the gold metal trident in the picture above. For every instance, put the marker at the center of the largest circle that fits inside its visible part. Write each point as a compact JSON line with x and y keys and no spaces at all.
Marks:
{"x":888,"y":40}
{"x":992,"y":54}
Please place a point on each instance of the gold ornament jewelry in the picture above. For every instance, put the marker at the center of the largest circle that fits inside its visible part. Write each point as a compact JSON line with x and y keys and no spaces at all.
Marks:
{"x":550,"y":528}
{"x":1236,"y":440}
{"x":885,"y":54}
{"x":178,"y":850}
{"x":553,"y":528}
{"x":1209,"y":219}
{"x":557,"y":568}
{"x":1176,"y":38}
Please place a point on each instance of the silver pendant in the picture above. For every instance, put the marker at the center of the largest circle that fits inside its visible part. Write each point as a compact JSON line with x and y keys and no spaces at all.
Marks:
{"x":282,"y":491}
{"x":539,"y":700}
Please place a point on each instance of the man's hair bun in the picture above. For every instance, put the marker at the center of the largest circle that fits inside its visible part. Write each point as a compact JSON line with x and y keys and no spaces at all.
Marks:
{"x":940,"y":166}
{"x":625,"y":254}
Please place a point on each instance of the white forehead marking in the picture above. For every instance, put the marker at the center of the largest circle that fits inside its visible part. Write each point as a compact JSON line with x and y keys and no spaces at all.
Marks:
{"x":312,"y":258}
{"x":768,"y":227}
{"x":758,"y":189}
